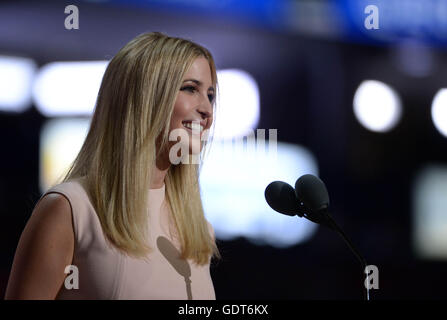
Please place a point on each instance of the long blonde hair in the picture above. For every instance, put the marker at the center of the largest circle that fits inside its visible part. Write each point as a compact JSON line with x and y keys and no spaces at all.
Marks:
{"x":134,"y":107}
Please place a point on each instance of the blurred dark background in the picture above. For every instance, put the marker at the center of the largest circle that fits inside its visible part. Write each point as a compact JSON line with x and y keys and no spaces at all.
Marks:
{"x":308,"y":58}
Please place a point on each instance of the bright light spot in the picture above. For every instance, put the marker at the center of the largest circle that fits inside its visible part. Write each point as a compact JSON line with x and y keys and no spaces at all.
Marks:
{"x":439,"y":111}
{"x":237,"y":104}
{"x":16,"y":76}
{"x":68,"y":88}
{"x":60,"y":142}
{"x":430,"y":213}
{"x":377,"y":106}
{"x":233,"y":182}
{"x":71,"y":89}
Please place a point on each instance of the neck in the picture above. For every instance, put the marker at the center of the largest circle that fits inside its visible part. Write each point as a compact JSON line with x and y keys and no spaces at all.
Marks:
{"x":159,"y":173}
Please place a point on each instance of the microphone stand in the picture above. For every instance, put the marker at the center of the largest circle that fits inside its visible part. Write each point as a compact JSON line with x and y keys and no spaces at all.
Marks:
{"x":351,"y":246}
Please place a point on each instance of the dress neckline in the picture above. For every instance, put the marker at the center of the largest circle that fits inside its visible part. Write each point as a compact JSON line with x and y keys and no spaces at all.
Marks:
{"x":161,"y":188}
{"x":156,"y":197}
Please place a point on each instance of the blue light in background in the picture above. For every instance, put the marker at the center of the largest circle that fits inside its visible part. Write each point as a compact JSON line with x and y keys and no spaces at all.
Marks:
{"x":262,"y":12}
{"x":399,"y":20}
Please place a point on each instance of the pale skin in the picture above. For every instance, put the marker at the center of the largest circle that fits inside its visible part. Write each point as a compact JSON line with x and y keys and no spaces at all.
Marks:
{"x":46,"y":245}
{"x":193,"y":102}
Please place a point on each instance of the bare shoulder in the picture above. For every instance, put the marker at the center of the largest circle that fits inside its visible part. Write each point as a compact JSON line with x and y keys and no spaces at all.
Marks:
{"x":54,"y":205}
{"x":51,"y":214}
{"x":44,"y":250}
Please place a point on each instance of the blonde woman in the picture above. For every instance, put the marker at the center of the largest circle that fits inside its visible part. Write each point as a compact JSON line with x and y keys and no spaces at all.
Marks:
{"x":126,"y":221}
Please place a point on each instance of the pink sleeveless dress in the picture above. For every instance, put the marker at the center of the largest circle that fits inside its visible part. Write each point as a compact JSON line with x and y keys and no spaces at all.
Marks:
{"x":106,"y":273}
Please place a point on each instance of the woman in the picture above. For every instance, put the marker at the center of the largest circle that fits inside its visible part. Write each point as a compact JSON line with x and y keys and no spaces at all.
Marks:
{"x":127,"y":222}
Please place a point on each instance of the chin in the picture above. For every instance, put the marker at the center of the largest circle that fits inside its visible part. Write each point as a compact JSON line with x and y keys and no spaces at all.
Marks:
{"x":195,"y":151}
{"x":195,"y":146}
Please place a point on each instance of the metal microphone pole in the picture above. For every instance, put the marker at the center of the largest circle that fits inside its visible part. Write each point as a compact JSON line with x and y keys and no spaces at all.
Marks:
{"x":351,"y":246}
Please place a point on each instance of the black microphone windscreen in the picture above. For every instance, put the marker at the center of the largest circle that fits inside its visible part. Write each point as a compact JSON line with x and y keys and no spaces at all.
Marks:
{"x":312,"y":192}
{"x":281,"y":197}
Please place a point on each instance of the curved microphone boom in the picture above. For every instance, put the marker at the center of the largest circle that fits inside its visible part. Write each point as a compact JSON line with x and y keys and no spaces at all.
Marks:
{"x":310,"y":200}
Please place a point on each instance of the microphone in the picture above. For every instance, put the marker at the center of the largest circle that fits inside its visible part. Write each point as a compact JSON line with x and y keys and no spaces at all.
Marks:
{"x":312,"y":195}
{"x":281,"y":197}
{"x":309,"y":199}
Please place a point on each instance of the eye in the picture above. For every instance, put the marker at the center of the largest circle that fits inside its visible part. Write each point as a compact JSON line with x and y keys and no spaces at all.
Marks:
{"x":192,"y":89}
{"x":189,"y":88}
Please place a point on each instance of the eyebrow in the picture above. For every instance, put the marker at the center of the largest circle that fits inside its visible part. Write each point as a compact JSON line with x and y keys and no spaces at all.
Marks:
{"x":199,"y":83}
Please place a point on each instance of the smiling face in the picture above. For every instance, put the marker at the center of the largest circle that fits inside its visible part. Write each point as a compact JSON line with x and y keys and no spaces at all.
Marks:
{"x":193,"y":111}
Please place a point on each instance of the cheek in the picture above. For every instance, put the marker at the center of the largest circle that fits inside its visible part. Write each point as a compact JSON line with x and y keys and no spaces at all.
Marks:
{"x":180,"y":112}
{"x":175,"y":119}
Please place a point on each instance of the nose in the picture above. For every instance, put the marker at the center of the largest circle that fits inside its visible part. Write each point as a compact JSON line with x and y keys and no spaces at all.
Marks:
{"x":205,"y":109}
{"x":205,"y":114}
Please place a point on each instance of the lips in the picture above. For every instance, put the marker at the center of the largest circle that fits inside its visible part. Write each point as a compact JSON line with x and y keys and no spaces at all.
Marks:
{"x":193,"y":126}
